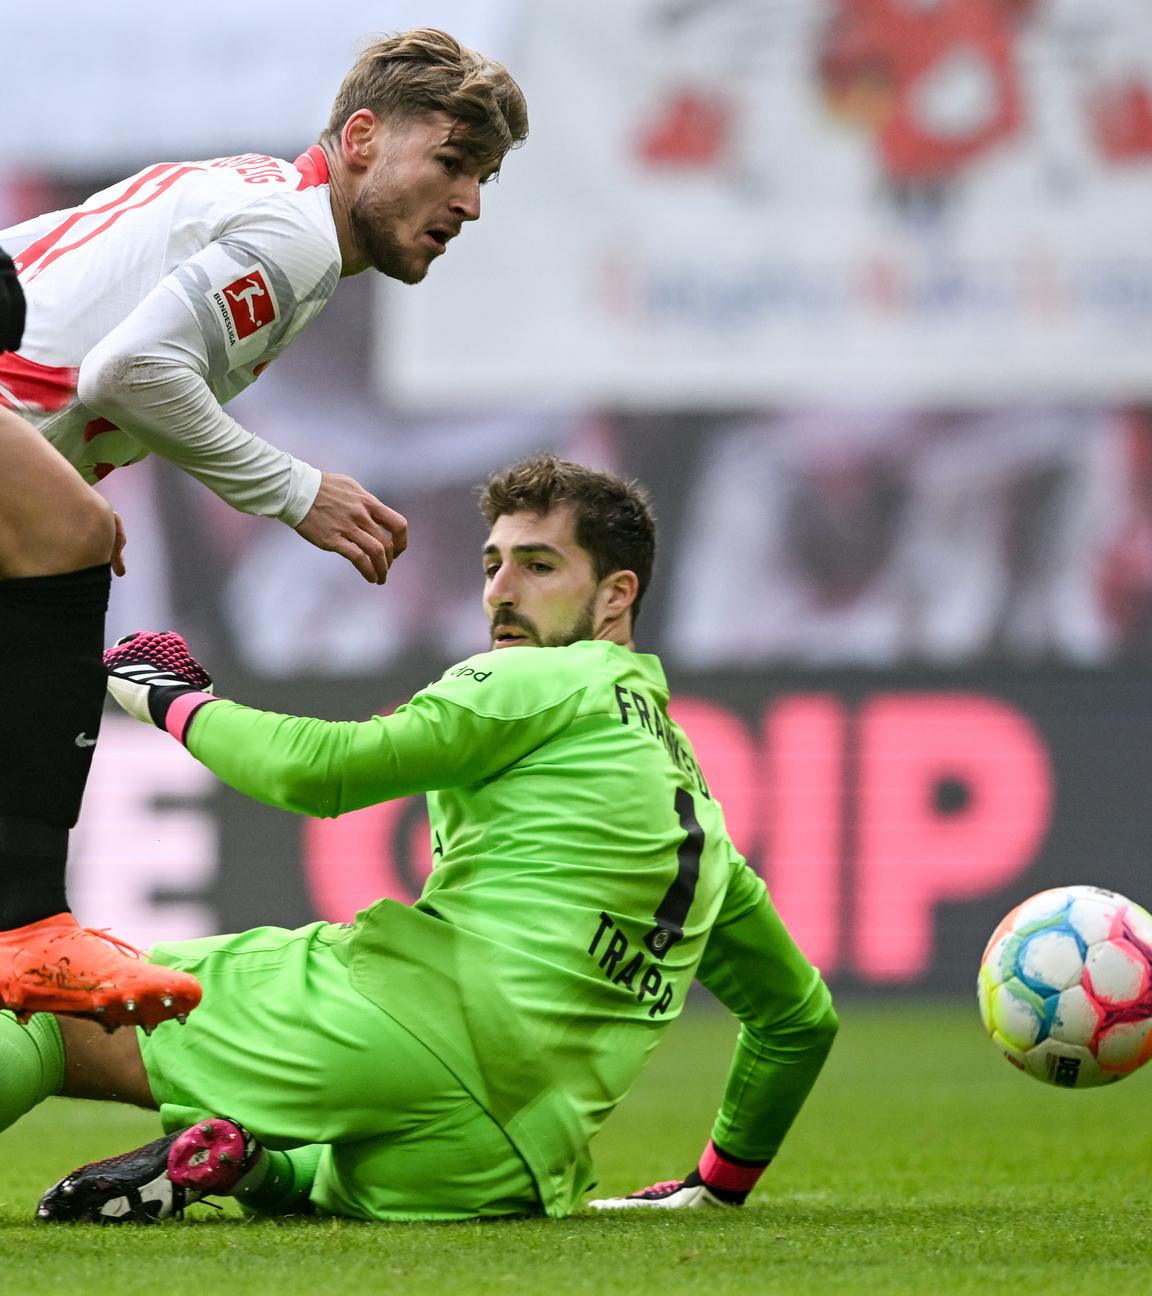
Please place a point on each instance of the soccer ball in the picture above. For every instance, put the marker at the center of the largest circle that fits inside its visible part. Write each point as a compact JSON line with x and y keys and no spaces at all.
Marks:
{"x":1065,"y":986}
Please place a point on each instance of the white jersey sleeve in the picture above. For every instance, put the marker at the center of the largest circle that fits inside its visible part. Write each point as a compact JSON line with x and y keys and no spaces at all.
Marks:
{"x":149,"y":377}
{"x":200,"y":336}
{"x":158,"y":300}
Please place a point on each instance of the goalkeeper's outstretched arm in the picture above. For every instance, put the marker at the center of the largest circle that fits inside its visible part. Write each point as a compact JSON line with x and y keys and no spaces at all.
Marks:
{"x":312,"y":766}
{"x":753,"y":966}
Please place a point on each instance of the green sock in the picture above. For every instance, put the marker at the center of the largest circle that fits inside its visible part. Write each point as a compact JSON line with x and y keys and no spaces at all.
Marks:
{"x":31,"y":1064}
{"x":280,"y":1182}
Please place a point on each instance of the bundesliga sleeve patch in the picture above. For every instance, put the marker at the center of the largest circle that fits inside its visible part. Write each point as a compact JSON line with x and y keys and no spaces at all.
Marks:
{"x":245,"y":306}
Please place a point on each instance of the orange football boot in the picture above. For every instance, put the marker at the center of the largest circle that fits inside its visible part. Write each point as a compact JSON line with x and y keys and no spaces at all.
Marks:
{"x":55,"y":965}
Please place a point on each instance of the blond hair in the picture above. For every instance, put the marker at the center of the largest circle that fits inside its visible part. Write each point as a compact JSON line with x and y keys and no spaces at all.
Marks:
{"x":425,"y":71}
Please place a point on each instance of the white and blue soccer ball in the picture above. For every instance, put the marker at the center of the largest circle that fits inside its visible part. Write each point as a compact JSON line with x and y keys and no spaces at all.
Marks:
{"x":1065,"y":986}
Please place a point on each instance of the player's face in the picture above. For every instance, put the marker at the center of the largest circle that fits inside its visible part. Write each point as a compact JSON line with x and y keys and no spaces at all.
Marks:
{"x":419,"y":191}
{"x":540,"y":588}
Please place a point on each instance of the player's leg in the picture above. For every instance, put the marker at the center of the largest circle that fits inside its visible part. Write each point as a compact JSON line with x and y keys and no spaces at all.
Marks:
{"x":103,"y":1066}
{"x":285,"y":1045}
{"x":265,"y":1010}
{"x":51,"y":520}
{"x":213,"y":1158}
{"x":57,"y":538}
{"x":76,"y":1058}
{"x":291,"y":1053}
{"x":458,"y":1167}
{"x":61,"y":1055}
{"x":70,"y":1057}
{"x":31,"y":1065}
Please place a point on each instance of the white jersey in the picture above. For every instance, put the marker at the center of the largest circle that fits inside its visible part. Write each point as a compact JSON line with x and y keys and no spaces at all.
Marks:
{"x":177,"y":285}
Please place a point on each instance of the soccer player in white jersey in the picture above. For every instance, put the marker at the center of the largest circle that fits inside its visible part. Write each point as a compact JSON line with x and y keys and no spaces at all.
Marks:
{"x":148,"y":307}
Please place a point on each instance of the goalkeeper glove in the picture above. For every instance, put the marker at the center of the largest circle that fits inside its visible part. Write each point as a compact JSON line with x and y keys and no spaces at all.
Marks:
{"x":156,"y":679}
{"x":718,"y":1180}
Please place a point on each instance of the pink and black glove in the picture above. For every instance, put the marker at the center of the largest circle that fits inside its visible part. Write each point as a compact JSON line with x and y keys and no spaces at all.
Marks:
{"x":156,"y":679}
{"x":718,"y":1180}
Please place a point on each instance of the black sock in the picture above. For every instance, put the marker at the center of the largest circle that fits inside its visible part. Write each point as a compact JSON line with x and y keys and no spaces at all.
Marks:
{"x":52,"y":686}
{"x":33,"y":857}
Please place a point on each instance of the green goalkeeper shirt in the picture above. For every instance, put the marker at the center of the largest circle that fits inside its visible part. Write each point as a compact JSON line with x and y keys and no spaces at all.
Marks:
{"x":582,"y":878}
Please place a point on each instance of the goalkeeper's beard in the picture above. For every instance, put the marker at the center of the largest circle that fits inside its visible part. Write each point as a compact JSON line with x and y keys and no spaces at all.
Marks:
{"x":585,"y":628}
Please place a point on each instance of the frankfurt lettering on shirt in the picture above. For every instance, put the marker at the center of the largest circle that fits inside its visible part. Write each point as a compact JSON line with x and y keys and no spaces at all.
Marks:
{"x":244,"y":306}
{"x":635,"y":708}
{"x":628,"y":968}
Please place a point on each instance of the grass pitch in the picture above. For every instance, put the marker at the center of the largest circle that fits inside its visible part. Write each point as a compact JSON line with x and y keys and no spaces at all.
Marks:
{"x":922,"y":1164}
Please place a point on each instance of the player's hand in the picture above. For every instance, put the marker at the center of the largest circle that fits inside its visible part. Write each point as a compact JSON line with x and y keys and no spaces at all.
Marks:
{"x":156,"y":679}
{"x":718,"y":1180}
{"x":348,"y":520}
{"x":117,"y":559}
{"x":689,"y":1193}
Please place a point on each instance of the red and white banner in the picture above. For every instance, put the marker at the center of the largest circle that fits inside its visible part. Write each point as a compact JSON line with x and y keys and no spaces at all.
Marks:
{"x":800,"y":200}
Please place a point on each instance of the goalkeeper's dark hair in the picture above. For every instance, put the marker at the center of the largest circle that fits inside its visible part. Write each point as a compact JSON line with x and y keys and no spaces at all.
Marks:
{"x":425,"y":71}
{"x":613,"y":519}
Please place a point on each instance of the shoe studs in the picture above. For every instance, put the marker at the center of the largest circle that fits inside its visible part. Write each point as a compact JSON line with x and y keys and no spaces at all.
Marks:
{"x":166,"y":1001}
{"x":181,"y":1018}
{"x":100,"y":1015}
{"x":129,"y":1005}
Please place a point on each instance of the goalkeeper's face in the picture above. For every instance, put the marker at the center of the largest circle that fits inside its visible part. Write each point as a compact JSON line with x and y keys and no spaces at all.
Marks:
{"x":541,"y":589}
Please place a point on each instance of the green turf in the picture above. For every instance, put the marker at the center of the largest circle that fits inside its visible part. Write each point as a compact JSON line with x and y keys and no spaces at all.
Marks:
{"x":922,"y":1164}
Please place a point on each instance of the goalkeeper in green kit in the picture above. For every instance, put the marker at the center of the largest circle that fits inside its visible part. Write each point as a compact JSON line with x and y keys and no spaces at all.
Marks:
{"x":453,"y":1059}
